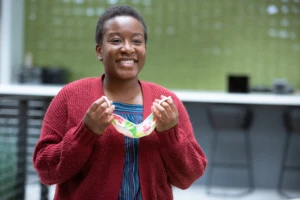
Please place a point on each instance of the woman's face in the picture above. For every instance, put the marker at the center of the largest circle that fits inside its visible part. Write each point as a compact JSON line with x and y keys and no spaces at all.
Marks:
{"x":123,"y":49}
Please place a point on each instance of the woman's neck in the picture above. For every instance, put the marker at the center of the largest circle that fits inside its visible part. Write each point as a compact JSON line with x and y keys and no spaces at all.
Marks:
{"x":128,"y":91}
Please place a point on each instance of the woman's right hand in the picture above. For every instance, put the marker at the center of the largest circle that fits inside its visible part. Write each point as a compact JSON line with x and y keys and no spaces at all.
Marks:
{"x":99,"y":116}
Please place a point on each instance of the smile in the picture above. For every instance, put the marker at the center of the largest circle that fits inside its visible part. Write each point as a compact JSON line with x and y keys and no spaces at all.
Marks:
{"x":126,"y":61}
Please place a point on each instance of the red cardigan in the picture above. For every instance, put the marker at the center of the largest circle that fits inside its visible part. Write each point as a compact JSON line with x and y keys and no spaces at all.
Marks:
{"x":87,"y":166}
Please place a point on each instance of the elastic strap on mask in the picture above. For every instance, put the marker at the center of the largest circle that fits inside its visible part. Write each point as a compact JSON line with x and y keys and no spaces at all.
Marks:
{"x":106,"y":99}
{"x":164,"y":99}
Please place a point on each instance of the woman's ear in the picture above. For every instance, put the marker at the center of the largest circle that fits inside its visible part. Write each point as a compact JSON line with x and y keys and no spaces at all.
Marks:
{"x":99,"y":52}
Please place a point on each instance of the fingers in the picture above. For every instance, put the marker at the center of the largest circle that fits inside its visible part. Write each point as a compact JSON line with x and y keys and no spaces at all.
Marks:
{"x":103,"y":106}
{"x":159,"y":111}
{"x":167,"y":104}
{"x":110,"y":118}
{"x":167,"y":107}
{"x":164,"y":109}
{"x":99,"y":116}
{"x":107,"y":114}
{"x":96,"y":104}
{"x":101,"y":109}
{"x":165,"y":112}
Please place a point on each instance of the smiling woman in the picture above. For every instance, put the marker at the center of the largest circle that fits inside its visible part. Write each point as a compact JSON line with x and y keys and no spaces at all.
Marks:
{"x":123,"y":47}
{"x":82,"y":151}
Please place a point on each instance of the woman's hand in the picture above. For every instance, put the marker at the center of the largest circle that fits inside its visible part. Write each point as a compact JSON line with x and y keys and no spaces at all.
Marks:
{"x":99,"y":116}
{"x":166,"y":114}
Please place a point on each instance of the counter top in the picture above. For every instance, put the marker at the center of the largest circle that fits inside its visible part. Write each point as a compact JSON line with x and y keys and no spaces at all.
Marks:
{"x":30,"y":90}
{"x":239,"y":98}
{"x":184,"y":95}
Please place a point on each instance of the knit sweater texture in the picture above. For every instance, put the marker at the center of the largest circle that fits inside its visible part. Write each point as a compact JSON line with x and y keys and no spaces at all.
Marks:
{"x":86,"y":166}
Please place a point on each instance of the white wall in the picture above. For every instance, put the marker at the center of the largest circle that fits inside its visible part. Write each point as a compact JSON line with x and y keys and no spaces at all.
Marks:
{"x":11,"y":40}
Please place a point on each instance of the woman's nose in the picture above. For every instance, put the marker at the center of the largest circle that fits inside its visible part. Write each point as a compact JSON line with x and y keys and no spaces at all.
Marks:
{"x":127,"y":48}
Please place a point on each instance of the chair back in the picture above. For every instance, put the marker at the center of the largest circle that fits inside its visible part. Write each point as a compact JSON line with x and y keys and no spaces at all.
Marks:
{"x":230,"y":117}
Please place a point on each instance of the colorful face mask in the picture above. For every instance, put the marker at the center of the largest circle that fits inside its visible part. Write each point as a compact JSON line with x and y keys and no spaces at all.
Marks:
{"x":133,"y":130}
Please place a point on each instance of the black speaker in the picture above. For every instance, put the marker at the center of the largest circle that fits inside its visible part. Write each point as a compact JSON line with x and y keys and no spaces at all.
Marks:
{"x":54,"y":75}
{"x":238,"y":84}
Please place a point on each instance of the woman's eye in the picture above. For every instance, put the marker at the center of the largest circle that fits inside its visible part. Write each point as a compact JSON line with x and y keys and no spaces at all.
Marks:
{"x":115,"y":41}
{"x":137,"y":41}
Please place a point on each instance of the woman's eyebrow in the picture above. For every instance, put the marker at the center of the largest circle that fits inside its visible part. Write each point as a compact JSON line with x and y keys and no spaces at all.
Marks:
{"x":114,"y":33}
{"x":118,"y":33}
{"x":137,"y":34}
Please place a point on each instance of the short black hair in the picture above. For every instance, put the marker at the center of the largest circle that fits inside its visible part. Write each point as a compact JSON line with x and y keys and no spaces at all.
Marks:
{"x":114,"y":11}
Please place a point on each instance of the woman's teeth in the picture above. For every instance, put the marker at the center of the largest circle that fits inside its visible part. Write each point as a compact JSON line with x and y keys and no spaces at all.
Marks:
{"x":127,"y":61}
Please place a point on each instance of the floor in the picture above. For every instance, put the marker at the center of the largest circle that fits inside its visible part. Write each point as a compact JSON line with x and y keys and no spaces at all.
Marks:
{"x":199,"y":193}
{"x":193,"y":193}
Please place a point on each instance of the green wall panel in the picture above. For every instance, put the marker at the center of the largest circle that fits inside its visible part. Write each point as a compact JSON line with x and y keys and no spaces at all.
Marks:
{"x":193,"y":44}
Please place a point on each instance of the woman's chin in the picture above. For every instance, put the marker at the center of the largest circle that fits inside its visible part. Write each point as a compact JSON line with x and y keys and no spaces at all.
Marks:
{"x":128,"y":75}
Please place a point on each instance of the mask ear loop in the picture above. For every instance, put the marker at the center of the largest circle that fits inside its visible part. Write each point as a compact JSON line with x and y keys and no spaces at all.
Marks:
{"x":164,"y":99}
{"x":106,"y":99}
{"x":108,"y":102}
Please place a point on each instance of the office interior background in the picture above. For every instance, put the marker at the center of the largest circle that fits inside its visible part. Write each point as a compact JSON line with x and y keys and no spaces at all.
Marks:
{"x":193,"y":45}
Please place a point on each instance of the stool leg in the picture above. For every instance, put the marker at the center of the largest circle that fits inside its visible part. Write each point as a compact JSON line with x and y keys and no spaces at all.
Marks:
{"x":283,"y":165}
{"x":212,"y":166}
{"x":249,"y":160}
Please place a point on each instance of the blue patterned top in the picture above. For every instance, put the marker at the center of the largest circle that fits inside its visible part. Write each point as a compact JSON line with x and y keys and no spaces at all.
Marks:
{"x":130,"y":187}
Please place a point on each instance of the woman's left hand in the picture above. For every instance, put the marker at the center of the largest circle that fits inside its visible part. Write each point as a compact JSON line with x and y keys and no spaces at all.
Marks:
{"x":166,"y":114}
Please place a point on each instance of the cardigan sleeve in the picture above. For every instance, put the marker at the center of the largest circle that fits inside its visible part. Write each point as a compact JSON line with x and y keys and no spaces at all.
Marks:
{"x":60,"y":153}
{"x":183,"y":157}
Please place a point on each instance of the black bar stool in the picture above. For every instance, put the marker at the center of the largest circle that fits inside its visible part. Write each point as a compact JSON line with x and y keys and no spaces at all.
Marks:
{"x":292,"y":126}
{"x":230,"y":118}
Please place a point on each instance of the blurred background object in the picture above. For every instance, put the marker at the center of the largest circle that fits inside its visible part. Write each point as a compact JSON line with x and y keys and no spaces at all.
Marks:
{"x":238,"y":83}
{"x":281,"y":86}
{"x":31,"y":74}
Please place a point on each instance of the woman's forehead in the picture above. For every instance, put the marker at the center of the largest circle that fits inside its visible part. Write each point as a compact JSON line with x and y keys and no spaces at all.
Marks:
{"x":126,"y":23}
